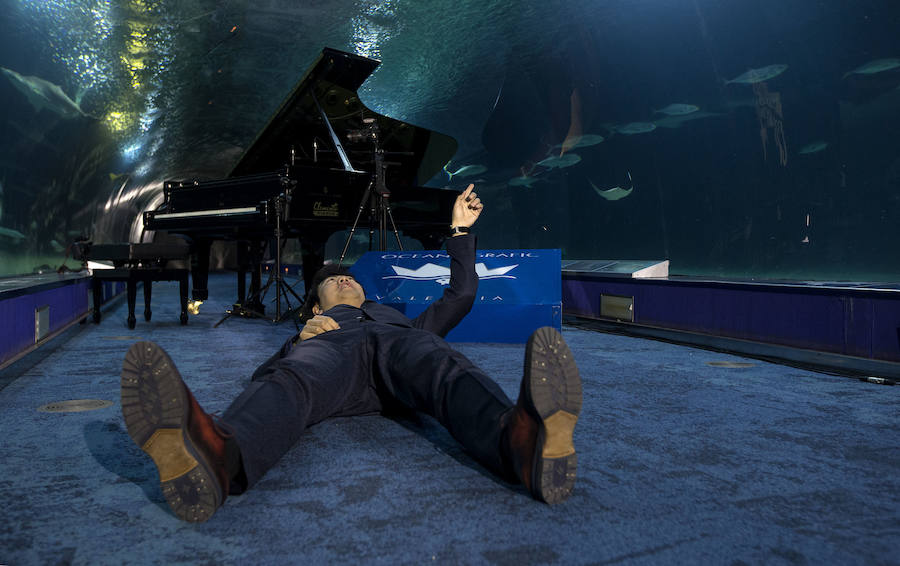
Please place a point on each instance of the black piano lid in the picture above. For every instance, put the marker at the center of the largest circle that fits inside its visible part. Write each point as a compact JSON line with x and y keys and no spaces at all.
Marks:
{"x":413,"y":154}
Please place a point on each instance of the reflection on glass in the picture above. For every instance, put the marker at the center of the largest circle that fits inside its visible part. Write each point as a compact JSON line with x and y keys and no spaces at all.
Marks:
{"x":556,"y":107}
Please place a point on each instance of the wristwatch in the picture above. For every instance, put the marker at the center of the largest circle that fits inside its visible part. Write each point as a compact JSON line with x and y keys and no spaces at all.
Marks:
{"x":454,"y":230}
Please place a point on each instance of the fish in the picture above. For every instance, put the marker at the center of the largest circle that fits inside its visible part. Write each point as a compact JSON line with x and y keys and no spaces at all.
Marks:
{"x":575,"y":142}
{"x":677,"y":121}
{"x":465,"y":171}
{"x":677,"y":109}
{"x":614,"y":193}
{"x":14,"y":235}
{"x":813,"y":147}
{"x":41,"y":94}
{"x":560,"y":161}
{"x":753,"y":76}
{"x":523,"y":181}
{"x":872,"y":67}
{"x":632,"y":128}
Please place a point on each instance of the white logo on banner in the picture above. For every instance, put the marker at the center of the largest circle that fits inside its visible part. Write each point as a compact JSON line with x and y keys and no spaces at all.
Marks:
{"x":441,"y":275}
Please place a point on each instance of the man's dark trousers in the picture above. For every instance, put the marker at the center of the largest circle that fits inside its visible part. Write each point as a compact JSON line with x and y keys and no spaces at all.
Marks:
{"x":377,"y":360}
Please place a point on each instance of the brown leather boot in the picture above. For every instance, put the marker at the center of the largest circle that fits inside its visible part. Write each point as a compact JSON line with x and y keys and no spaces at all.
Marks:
{"x":540,"y":426}
{"x":165,"y":421}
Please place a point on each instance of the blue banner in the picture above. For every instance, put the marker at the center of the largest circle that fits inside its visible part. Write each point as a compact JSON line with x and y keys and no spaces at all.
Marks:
{"x":518,"y":290}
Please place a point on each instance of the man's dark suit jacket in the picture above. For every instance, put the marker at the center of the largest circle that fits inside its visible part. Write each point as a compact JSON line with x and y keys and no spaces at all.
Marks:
{"x":440,"y":317}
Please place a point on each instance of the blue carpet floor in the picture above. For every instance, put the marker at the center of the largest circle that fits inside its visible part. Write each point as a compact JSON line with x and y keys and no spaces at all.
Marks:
{"x":680,"y":462}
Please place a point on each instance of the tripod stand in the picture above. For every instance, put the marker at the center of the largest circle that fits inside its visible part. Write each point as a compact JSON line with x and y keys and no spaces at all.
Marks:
{"x":276,"y":276}
{"x":378,"y":199}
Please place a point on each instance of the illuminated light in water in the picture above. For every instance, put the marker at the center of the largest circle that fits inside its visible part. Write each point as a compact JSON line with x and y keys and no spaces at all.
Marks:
{"x":369,"y":35}
{"x":118,"y":121}
{"x":143,"y":169}
{"x":136,"y":47}
{"x":131,"y":151}
{"x":139,"y":6}
{"x":147,"y":118}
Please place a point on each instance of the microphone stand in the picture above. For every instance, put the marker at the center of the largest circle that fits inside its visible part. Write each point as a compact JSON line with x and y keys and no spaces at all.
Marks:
{"x":379,"y":199}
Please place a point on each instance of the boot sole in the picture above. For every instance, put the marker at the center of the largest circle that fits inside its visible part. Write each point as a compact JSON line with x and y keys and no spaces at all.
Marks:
{"x":553,"y":392}
{"x":156,"y":409}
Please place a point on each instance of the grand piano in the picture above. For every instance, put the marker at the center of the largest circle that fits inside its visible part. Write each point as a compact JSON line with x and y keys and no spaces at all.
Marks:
{"x":323,"y":163}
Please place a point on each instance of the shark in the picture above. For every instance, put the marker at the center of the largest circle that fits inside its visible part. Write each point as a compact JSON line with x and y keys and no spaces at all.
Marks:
{"x":42,"y":94}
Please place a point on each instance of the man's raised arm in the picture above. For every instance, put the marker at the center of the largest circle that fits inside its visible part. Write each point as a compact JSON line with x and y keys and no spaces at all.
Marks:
{"x":444,"y":314}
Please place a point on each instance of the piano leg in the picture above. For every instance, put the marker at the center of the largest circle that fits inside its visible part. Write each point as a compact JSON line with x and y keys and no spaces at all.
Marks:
{"x":97,"y":290}
{"x":132,"y":299}
{"x":257,"y":251}
{"x":200,"y":269}
{"x":243,"y":252}
{"x":148,"y":286}
{"x":183,"y":296}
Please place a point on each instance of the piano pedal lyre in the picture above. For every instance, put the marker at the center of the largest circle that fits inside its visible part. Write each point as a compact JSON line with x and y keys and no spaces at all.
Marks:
{"x":193,"y":307}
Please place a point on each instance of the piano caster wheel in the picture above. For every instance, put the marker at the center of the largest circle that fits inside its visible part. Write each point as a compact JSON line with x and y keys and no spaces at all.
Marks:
{"x":131,"y":322}
{"x":147,"y":315}
{"x":184,"y":319}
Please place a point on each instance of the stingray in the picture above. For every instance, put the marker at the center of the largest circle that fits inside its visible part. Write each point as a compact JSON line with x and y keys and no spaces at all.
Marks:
{"x":614,"y":193}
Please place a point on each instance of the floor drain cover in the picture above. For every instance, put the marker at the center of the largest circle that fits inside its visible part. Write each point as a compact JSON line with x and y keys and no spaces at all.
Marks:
{"x":730,"y":364}
{"x":74,"y":406}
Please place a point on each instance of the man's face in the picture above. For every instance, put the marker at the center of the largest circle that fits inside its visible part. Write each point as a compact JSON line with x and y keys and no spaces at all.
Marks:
{"x":339,"y":290}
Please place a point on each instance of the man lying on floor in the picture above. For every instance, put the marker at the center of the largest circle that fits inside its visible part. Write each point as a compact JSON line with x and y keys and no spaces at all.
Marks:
{"x":353,"y":357}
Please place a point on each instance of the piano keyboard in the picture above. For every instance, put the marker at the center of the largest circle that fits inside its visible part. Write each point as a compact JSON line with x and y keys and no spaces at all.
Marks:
{"x":214,"y":213}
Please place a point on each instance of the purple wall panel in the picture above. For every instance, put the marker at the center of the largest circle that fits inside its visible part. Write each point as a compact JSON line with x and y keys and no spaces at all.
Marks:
{"x":858,"y":319}
{"x":885,"y":327}
{"x":67,"y":303}
{"x":839,"y":321}
{"x":17,"y":326}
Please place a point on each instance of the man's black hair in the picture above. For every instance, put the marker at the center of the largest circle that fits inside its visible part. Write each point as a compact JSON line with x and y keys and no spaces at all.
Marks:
{"x":312,"y":294}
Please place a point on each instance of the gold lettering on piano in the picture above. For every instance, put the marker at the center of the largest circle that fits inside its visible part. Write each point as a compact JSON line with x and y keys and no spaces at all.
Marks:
{"x":330,"y":210}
